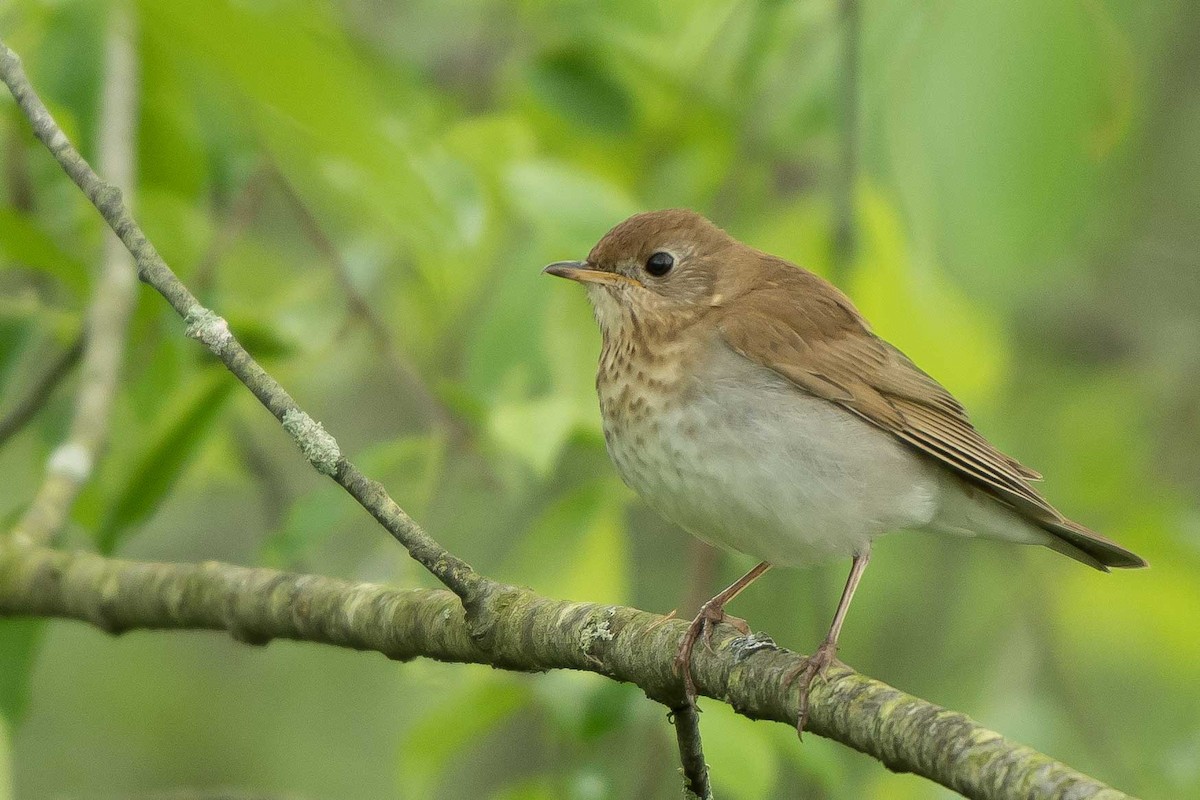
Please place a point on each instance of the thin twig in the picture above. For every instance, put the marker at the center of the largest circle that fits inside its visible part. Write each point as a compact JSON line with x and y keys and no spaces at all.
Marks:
{"x":257,"y":461}
{"x":16,"y":173}
{"x":696,"y":786}
{"x":206,"y":326}
{"x":534,"y":634}
{"x":71,"y":464}
{"x":701,"y":570}
{"x":39,"y":391}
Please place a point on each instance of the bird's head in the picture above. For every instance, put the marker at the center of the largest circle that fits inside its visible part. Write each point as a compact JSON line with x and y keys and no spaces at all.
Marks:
{"x":669,"y":265}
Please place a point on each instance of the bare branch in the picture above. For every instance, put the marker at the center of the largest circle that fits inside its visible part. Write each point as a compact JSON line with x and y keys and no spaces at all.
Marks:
{"x":702,"y":561}
{"x":533,"y":634}
{"x":213,"y":331}
{"x":39,"y":391}
{"x":70,"y":466}
{"x":686,"y":719}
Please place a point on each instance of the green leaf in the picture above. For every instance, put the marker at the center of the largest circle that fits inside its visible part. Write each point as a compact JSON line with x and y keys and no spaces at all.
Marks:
{"x":14,"y":337}
{"x":263,"y":340}
{"x":172,"y":153}
{"x":533,"y":430}
{"x":6,"y":781}
{"x":742,"y":762}
{"x":459,"y":720}
{"x":516,"y":355}
{"x":569,"y":208}
{"x":920,"y":311}
{"x":310,"y":520}
{"x":488,"y":142}
{"x":577,"y":86}
{"x":586,"y":707}
{"x":820,"y":763}
{"x":578,"y":547}
{"x":180,"y":230}
{"x":20,"y":640}
{"x":608,"y":707}
{"x":1006,"y":194}
{"x":181,"y":430}
{"x":410,"y":467}
{"x":23,"y":242}
{"x":542,"y":788}
{"x":572,"y":347}
{"x":329,"y":122}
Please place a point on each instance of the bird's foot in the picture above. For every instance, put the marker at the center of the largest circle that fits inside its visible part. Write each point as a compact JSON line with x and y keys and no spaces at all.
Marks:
{"x":711,"y":614}
{"x":809,"y":670}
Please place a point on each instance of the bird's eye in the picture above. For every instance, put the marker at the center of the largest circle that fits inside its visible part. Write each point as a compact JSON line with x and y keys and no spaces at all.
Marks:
{"x":660,"y":264}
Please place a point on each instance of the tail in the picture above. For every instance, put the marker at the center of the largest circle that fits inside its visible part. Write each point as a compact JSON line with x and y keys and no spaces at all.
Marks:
{"x":1074,"y":540}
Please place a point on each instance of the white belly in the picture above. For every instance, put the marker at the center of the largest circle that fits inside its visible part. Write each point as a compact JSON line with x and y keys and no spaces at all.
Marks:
{"x":748,"y":462}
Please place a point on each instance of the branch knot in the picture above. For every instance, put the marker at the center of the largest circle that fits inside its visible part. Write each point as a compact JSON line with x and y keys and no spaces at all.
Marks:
{"x":209,"y":328}
{"x":317,"y":444}
{"x":108,"y":196}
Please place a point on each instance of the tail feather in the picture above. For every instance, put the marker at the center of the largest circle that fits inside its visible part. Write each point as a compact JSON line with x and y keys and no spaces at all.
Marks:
{"x":1074,"y":540}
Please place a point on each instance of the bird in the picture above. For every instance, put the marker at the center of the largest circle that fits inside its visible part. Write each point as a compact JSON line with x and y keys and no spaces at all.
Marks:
{"x":747,"y":400}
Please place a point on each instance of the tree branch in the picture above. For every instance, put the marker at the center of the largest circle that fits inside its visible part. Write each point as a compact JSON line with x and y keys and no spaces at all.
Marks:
{"x":686,"y":719}
{"x":533,"y":634}
{"x":206,"y":326}
{"x":71,"y":464}
{"x":39,"y":391}
{"x":702,"y":560}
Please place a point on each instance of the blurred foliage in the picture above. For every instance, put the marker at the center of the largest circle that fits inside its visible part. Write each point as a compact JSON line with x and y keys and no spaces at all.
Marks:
{"x":1027,"y":219}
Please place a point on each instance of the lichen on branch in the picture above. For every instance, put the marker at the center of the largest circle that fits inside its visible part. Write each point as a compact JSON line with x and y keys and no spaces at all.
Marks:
{"x":534,"y":634}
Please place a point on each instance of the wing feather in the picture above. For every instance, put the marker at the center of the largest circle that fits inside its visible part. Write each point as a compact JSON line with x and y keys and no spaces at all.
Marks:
{"x":836,"y":357}
{"x":812,"y":335}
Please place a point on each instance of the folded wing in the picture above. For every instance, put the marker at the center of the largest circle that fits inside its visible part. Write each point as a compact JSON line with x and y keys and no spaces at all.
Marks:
{"x":814,"y":337}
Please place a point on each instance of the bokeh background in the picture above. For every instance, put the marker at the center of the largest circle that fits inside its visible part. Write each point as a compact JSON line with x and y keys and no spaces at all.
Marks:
{"x":368,"y":191}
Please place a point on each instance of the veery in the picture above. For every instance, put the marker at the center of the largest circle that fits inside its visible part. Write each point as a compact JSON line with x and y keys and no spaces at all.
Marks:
{"x":747,"y":400}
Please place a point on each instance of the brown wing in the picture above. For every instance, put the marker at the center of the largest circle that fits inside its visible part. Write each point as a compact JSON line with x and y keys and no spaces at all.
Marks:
{"x":829,"y":352}
{"x":808,"y":332}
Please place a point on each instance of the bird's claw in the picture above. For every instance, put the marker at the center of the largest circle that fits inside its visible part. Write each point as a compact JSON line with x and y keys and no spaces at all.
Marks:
{"x":809,"y":670}
{"x":702,"y":627}
{"x":739,"y":624}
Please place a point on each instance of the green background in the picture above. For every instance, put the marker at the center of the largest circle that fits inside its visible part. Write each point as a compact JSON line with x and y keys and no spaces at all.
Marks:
{"x":1028,"y":218}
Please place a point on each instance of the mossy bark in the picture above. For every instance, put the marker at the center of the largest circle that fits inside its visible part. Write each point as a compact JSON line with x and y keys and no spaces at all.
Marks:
{"x":518,"y":629}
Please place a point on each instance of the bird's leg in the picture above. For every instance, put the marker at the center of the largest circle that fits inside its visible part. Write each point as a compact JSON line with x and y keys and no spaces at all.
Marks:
{"x":711,"y":614}
{"x":816,"y":665}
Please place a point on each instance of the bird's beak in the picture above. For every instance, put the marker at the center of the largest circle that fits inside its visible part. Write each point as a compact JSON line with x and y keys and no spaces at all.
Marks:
{"x":579,"y":271}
